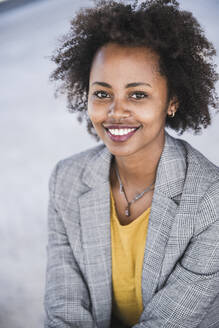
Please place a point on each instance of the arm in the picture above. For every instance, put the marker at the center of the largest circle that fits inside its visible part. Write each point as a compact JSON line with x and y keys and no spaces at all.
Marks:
{"x":66,"y":302}
{"x":193,"y":286}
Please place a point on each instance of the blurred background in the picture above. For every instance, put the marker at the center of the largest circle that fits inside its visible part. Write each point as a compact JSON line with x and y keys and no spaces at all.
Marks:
{"x":36,"y":131}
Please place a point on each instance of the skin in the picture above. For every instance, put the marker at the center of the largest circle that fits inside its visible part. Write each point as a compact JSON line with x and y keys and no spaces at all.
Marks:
{"x":146,"y":105}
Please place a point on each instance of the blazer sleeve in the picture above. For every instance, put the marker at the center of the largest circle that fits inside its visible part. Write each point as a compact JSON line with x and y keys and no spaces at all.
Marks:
{"x":66,"y":300}
{"x":193,"y":285}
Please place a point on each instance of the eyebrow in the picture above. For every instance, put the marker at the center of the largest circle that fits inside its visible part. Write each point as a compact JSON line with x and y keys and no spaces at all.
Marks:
{"x":129,"y":85}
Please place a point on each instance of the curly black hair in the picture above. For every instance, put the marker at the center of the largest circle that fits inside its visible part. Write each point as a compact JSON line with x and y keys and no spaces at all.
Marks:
{"x":185,"y":55}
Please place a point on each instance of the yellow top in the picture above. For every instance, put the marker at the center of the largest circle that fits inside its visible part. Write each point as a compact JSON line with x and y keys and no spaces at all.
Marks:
{"x":128,"y":243}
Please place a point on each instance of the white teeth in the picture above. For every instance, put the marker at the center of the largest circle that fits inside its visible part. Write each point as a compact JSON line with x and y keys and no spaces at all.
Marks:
{"x":121,"y":132}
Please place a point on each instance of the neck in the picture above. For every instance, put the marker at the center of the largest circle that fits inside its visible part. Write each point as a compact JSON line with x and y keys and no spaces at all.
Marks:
{"x":139,"y":169}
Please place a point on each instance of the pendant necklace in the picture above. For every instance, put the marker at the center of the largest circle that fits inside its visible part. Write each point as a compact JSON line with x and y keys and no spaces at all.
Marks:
{"x":137,"y":196}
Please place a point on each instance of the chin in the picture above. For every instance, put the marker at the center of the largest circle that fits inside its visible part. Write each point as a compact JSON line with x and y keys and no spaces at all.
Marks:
{"x":121,"y":151}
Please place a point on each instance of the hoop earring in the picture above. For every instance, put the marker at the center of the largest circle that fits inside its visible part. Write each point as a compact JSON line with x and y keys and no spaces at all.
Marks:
{"x":172,"y":114}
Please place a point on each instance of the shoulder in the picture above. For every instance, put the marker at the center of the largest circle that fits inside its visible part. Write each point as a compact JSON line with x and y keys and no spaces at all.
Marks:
{"x":202,"y":184}
{"x":79,"y":160}
{"x":68,"y":171}
{"x":196,"y":158}
{"x":197,"y":165}
{"x":200,"y":168}
{"x":184,"y":169}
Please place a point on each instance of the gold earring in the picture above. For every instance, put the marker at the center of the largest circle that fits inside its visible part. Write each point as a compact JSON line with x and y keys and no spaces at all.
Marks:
{"x":172,"y":114}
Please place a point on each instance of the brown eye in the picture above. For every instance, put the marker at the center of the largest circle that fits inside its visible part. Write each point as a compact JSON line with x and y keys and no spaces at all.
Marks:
{"x":138,"y":95}
{"x":101,"y":94}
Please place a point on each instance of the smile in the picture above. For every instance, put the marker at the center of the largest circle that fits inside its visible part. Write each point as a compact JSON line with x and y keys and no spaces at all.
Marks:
{"x":121,"y":134}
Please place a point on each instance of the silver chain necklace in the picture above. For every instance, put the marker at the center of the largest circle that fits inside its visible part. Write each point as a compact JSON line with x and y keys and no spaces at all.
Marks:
{"x":137,"y":196}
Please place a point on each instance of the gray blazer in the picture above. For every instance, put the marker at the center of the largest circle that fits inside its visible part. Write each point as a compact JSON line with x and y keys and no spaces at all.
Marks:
{"x":180,"y":276}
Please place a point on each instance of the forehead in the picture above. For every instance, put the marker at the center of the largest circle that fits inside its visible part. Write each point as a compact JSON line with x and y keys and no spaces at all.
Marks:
{"x":129,"y":62}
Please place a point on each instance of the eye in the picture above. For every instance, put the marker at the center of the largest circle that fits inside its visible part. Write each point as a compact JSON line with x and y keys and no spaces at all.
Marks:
{"x":138,"y":95}
{"x":101,"y":94}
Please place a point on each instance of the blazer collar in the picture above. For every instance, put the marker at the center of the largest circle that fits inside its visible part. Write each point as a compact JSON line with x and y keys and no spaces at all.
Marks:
{"x":170,"y":175}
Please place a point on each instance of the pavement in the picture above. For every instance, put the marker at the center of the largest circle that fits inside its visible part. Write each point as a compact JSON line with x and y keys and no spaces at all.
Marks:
{"x":36,"y":131}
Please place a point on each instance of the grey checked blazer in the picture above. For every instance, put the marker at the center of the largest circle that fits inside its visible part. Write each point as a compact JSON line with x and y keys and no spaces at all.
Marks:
{"x":180,"y":276}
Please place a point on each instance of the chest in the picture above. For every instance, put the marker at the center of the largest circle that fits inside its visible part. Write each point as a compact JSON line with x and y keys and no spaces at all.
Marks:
{"x":135,"y":209}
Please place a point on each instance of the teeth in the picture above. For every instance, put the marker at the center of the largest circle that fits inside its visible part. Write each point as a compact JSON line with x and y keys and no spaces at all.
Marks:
{"x":121,"y":132}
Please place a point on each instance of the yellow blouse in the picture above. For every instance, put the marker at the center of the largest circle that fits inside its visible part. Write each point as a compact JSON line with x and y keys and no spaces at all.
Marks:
{"x":127,"y":245}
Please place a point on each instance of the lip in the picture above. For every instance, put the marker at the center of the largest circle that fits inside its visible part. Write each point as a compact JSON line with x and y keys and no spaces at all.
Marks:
{"x":119,"y":138}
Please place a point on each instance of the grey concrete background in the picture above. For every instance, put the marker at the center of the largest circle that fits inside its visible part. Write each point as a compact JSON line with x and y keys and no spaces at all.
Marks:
{"x":35,"y":132}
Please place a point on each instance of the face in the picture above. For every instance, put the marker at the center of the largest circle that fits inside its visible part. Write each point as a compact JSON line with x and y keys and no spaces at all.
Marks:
{"x":128,"y":99}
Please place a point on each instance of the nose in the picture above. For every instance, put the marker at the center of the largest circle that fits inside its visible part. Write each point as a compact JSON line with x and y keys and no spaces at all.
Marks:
{"x":118,"y":109}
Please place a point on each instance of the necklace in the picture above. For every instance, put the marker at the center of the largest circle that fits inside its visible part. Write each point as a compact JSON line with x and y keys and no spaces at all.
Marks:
{"x":137,"y":196}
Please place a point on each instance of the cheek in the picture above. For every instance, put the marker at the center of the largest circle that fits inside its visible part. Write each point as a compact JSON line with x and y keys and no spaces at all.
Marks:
{"x":151,"y":116}
{"x":89,"y":111}
{"x":96,"y":113}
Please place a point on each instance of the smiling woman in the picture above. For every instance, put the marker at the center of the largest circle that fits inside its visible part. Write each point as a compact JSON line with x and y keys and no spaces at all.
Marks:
{"x":134,"y":222}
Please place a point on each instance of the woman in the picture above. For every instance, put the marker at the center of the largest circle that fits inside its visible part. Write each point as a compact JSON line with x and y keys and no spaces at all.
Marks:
{"x":133,"y":222}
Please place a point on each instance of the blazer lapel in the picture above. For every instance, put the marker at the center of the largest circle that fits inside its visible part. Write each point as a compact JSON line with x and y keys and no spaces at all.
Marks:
{"x":95,"y":226}
{"x":161,"y":218}
{"x":169,"y":183}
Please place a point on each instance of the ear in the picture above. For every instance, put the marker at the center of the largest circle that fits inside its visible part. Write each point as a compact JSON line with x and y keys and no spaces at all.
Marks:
{"x":173,"y":106}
